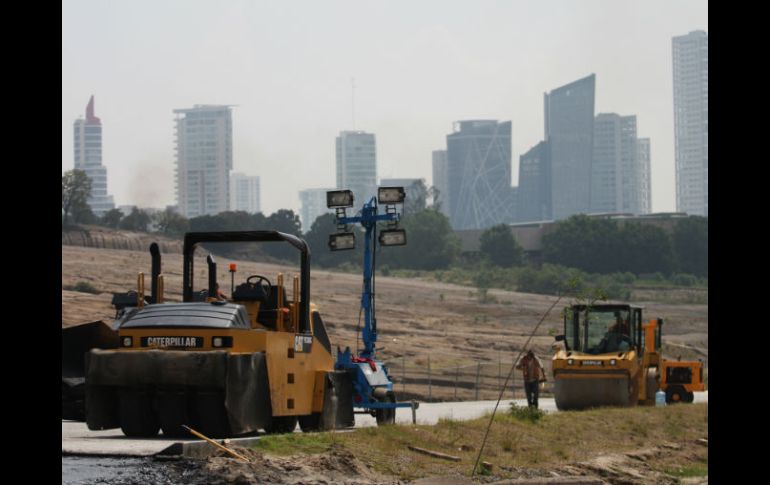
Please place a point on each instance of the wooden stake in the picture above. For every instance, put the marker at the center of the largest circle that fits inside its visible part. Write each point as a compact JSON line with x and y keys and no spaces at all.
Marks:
{"x":224,"y":448}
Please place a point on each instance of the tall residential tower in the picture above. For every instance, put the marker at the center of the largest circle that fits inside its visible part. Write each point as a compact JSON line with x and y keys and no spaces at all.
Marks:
{"x":204,"y":158}
{"x":357,"y":164}
{"x":569,"y":132}
{"x":691,"y":121}
{"x":88,"y":158}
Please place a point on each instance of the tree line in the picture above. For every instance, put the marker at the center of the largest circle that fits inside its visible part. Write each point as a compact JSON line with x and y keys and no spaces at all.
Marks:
{"x":590,"y":244}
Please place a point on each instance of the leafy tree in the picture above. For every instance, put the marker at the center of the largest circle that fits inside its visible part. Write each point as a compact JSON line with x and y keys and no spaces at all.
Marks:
{"x":691,"y":245}
{"x":229,"y":221}
{"x":586,"y":243}
{"x":431,"y":243}
{"x":416,"y":197}
{"x":137,"y":220}
{"x":172,"y":223}
{"x":112,"y":218}
{"x":75,"y":191}
{"x":286,"y":221}
{"x":500,"y":247}
{"x":437,"y":200}
{"x":645,"y":249}
{"x":82,"y":213}
{"x":318,"y":240}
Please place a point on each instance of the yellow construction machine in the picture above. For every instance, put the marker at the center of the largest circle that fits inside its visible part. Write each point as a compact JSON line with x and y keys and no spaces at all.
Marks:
{"x":610,"y":357}
{"x":679,"y":379}
{"x":222,"y":364}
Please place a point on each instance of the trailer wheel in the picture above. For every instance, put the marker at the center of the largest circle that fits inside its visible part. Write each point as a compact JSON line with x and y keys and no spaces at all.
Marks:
{"x":137,"y":414}
{"x":675,"y":394}
{"x":387,"y":416}
{"x":689,"y":397}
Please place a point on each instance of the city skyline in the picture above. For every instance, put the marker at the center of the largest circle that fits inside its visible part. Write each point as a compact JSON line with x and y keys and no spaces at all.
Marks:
{"x":414,"y":77}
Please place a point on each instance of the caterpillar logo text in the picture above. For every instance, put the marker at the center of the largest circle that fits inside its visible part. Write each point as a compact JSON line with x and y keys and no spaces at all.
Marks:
{"x":195,"y":342}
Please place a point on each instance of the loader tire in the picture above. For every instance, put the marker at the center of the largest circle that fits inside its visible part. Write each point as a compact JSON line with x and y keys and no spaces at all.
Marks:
{"x":137,"y":414}
{"x":211,"y":414}
{"x":173,"y":413}
{"x":675,"y":394}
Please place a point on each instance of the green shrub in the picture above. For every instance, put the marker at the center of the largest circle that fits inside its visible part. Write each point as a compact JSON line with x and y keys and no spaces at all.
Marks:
{"x":524,"y":413}
{"x":83,"y":287}
{"x":684,"y":280}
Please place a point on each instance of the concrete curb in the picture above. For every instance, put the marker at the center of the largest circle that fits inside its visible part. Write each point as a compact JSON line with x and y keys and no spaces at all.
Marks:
{"x":203,"y":449}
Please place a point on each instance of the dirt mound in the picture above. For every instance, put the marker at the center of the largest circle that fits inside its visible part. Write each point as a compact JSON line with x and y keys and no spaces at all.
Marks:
{"x":334,"y":466}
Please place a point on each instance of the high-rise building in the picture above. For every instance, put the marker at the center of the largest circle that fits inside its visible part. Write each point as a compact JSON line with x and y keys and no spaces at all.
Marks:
{"x":244,"y":193}
{"x":691,"y":121}
{"x":313,"y":205}
{"x":357,"y":164}
{"x":569,"y":127}
{"x":396,"y":182}
{"x":479,"y":173}
{"x":204,"y":158}
{"x":88,"y":158}
{"x":643,"y":158}
{"x":617,"y":174}
{"x":440,"y":180}
{"x":534,"y":193}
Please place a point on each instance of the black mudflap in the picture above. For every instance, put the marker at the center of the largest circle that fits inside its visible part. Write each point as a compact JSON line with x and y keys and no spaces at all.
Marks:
{"x":338,"y":401}
{"x":247,"y":396}
{"x":240,"y":378}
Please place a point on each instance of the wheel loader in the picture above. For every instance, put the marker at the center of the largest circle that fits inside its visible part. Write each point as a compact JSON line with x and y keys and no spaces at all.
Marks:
{"x":612,"y":357}
{"x":224,"y":365}
{"x":679,"y":379}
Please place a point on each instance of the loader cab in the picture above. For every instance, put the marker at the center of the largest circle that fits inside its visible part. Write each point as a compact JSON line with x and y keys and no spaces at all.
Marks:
{"x":603,"y":329}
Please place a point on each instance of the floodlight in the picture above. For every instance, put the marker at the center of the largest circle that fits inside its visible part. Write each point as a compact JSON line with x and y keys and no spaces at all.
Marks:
{"x":390,"y":195}
{"x":339,"y":198}
{"x":342,"y":241}
{"x":393,"y":237}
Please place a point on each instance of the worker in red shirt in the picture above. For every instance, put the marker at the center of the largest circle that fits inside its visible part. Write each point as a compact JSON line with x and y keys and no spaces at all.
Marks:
{"x":534,"y":374}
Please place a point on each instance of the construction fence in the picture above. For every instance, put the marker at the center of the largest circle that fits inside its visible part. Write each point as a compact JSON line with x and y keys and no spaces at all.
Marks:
{"x":427,"y":382}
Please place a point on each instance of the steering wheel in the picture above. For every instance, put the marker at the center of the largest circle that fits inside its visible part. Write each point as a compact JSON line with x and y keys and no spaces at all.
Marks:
{"x":259,"y":279}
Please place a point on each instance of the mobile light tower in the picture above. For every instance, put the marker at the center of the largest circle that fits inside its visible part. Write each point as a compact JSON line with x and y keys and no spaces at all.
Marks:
{"x":372,"y":386}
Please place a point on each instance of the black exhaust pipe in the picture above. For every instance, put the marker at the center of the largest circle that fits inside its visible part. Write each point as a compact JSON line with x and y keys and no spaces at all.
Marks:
{"x":212,"y":277}
{"x":155,"y":253}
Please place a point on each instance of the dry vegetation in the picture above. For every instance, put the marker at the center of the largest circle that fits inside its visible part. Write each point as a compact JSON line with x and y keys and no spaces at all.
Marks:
{"x":416,"y":317}
{"x":621,"y":446}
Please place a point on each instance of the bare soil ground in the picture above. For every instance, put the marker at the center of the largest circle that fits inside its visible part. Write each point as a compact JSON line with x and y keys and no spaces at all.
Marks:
{"x":641,"y":467}
{"x":416,"y":318}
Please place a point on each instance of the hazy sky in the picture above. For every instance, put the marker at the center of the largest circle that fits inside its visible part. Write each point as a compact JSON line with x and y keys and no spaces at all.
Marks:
{"x":418,"y":66}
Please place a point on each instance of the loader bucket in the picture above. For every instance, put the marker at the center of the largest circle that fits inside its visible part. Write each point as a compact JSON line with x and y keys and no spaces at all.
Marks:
{"x":75,"y":343}
{"x":79,"y":339}
{"x":580,"y":393}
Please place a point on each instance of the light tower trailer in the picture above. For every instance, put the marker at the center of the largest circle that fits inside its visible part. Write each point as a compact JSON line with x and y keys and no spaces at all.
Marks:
{"x":372,"y":386}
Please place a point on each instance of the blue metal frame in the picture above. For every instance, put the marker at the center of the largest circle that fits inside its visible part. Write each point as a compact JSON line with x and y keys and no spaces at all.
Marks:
{"x":362,"y":389}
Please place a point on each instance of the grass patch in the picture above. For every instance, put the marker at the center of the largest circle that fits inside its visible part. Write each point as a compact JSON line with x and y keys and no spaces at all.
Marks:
{"x":696,"y":470}
{"x":525,"y":413}
{"x":547,"y":440}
